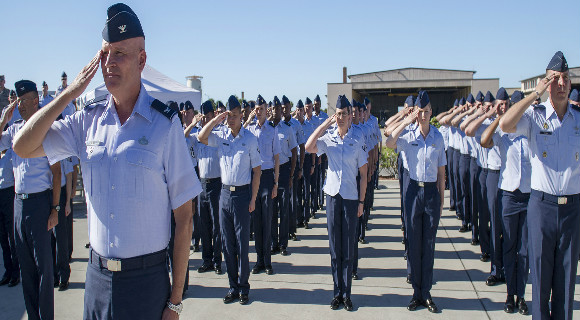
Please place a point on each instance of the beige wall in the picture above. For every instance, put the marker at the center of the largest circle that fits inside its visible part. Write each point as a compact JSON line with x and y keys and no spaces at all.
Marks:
{"x":485,"y":85}
{"x":333,"y":91}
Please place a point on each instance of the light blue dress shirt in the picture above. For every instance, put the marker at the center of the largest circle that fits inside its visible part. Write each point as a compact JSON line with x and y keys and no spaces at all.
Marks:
{"x":192,"y":147}
{"x":268,"y":142}
{"x":516,"y":169}
{"x":208,"y":161}
{"x":6,"y":173}
{"x":238,"y":155}
{"x":424,"y":155}
{"x":321,"y":117}
{"x":493,"y":158}
{"x":134,"y":174}
{"x":444,"y":130}
{"x":307,"y":129}
{"x":345,"y":157}
{"x":30,"y":175}
{"x":44,"y":100}
{"x":287,"y":140}
{"x":298,"y":130}
{"x":554,"y":148}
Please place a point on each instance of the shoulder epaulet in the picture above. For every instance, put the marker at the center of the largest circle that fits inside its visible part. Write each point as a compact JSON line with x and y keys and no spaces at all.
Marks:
{"x":163,"y":109}
{"x":93,"y":102}
{"x":287,"y":123}
{"x":539,"y":106}
{"x":272,"y":124}
{"x":575,"y":107}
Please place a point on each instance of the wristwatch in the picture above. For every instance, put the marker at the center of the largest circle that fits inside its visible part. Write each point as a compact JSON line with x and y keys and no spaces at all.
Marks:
{"x":57,"y":208}
{"x":361,"y":201}
{"x":176,"y":308}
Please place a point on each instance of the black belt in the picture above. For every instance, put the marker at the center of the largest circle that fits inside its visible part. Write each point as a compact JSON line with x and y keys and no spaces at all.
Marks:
{"x":236,"y":188}
{"x":210,"y":180}
{"x":24,"y":196}
{"x":140,"y":262}
{"x":268,"y":170}
{"x":556,"y":199}
{"x":424,"y":184}
{"x":491,"y":170}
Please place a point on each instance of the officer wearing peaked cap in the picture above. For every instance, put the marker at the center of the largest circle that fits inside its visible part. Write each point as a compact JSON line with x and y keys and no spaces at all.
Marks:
{"x":137,"y":169}
{"x":552,"y":129}
{"x":240,"y":167}
{"x":425,"y":153}
{"x":346,"y":160}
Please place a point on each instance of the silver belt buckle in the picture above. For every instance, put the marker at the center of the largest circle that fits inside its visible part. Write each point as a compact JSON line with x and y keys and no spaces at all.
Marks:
{"x":24,"y":196}
{"x":562,"y":200}
{"x":421,"y":184}
{"x":114,"y":265}
{"x":232,"y":188}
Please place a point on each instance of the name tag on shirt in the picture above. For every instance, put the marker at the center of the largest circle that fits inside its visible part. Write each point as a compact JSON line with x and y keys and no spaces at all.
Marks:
{"x":546,"y":133}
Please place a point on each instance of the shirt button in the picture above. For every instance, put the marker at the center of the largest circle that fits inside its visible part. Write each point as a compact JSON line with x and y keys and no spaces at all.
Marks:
{"x":113,"y":187}
{"x":112,"y":244}
{"x":115,"y":158}
{"x":112,"y":216}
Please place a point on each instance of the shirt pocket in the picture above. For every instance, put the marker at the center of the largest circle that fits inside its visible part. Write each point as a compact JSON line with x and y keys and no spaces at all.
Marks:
{"x":574,"y":142}
{"x":94,"y":165}
{"x":138,"y":176}
{"x":546,"y":146}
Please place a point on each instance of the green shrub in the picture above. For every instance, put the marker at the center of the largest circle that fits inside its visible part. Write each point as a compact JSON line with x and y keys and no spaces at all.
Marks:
{"x":388,"y":163}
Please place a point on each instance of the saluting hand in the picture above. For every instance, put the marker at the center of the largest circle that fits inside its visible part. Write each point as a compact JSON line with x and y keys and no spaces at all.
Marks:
{"x":84,"y":77}
{"x":543,"y":84}
{"x":8,"y":112}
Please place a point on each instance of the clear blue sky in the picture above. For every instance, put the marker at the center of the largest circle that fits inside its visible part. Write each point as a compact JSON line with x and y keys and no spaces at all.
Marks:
{"x":295,"y":47}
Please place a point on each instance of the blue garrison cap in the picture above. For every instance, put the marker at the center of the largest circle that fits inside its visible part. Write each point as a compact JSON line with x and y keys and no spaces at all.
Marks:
{"x":285,"y":100}
{"x":517,"y":96}
{"x":245,"y":104}
{"x":558,"y":63}
{"x":233,"y":103}
{"x":220,"y":105}
{"x":122,"y":23}
{"x":317,"y":98}
{"x":359,"y":105}
{"x":207,"y":107}
{"x":276,"y":101}
{"x":181,"y":106}
{"x":461,"y":101}
{"x":270,"y":104}
{"x":479,"y":97}
{"x":260,"y":100}
{"x":574,"y":95}
{"x":354,"y":103}
{"x":422,"y":99}
{"x":488,"y":97}
{"x":12,"y":92}
{"x":63,"y":75}
{"x":470,"y":98}
{"x":502,"y":94}
{"x":253,"y":104}
{"x":410,"y":101}
{"x":308,"y":101}
{"x":363,"y":106}
{"x":367,"y":101}
{"x":341,"y":103}
{"x":24,"y":86}
{"x":456,"y":103}
{"x":187,"y":105}
{"x":44,"y":83}
{"x":173,"y":105}
{"x":300,"y":105}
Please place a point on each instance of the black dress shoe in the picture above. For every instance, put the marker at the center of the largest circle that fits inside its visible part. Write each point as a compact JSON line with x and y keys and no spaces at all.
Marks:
{"x":413,"y":304}
{"x":293,"y":237}
{"x":459,"y":217}
{"x":300,"y":225}
{"x":205,"y":268}
{"x":269,"y":270}
{"x":196,"y":248}
{"x":463,"y":228}
{"x":14,"y":282}
{"x":452,"y":209}
{"x":87,"y":245}
{"x":354,"y":275}
{"x":218,"y":269}
{"x":63,"y":286}
{"x":283,"y":251}
{"x":362,"y":241}
{"x":244,"y":299}
{"x":251,"y":237}
{"x":56,"y":283}
{"x":335,"y":303}
{"x":509,"y":305}
{"x":403,"y":228}
{"x":409,"y":279}
{"x":348,"y":304}
{"x":405,"y":256}
{"x":230,"y":297}
{"x":313,"y":215}
{"x":5,"y":280}
{"x":484,"y":257}
{"x":275,"y":250}
{"x":431,"y":306}
{"x":474,"y":242}
{"x":403,"y":241}
{"x":492,"y":280}
{"x":306,"y":225}
{"x":367,"y":228}
{"x":522,"y":306}
{"x":257,"y":269}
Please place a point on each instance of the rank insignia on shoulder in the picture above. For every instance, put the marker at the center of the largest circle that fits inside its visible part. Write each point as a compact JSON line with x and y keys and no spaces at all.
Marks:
{"x":163,"y":109}
{"x":93,"y":102}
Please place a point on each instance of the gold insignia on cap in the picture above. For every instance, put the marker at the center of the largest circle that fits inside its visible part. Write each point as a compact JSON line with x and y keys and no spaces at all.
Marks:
{"x":545,"y":154}
{"x":143,"y":141}
{"x":123,"y":28}
{"x":546,"y":125}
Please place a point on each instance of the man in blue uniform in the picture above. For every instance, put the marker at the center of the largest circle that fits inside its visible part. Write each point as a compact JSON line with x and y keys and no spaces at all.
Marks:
{"x":45,"y":98}
{"x":136,"y":169}
{"x":574,"y":98}
{"x":426,"y":158}
{"x":295,"y":202}
{"x":309,"y":164}
{"x":346,"y":159}
{"x":269,"y":146}
{"x":35,"y":209}
{"x":315,"y":177}
{"x":553,"y":131}
{"x":240,"y":171}
{"x":322,"y":160}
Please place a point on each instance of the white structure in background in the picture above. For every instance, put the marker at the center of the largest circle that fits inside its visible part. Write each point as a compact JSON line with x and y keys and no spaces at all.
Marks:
{"x":158,"y":85}
{"x":194,"y":82}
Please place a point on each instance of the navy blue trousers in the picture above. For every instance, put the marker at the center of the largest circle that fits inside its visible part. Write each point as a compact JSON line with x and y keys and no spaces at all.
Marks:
{"x":322,"y":177}
{"x":211,"y":239}
{"x":294,"y":194}
{"x":495,"y":214}
{"x":401,"y":169}
{"x":235,"y":229}
{"x":451,"y":177}
{"x":282,"y":208}
{"x":359,"y":228}
{"x":458,"y":192}
{"x":341,"y":221}
{"x":7,"y":233}
{"x":60,"y":249}
{"x":263,"y":219}
{"x":423,"y":204}
{"x":465,"y":186}
{"x":69,"y":224}
{"x":133,"y":294}
{"x":484,"y":215}
{"x":304,"y":198}
{"x":33,"y":245}
{"x":314,"y":180}
{"x":554,"y":246}
{"x":515,"y":240}
{"x":474,"y":171}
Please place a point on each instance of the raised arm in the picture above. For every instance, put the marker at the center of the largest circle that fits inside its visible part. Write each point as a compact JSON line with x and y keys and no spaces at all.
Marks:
{"x":310,"y":145}
{"x":463,"y":126}
{"x":206,"y":130}
{"x":192,"y":125}
{"x":392,"y":139}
